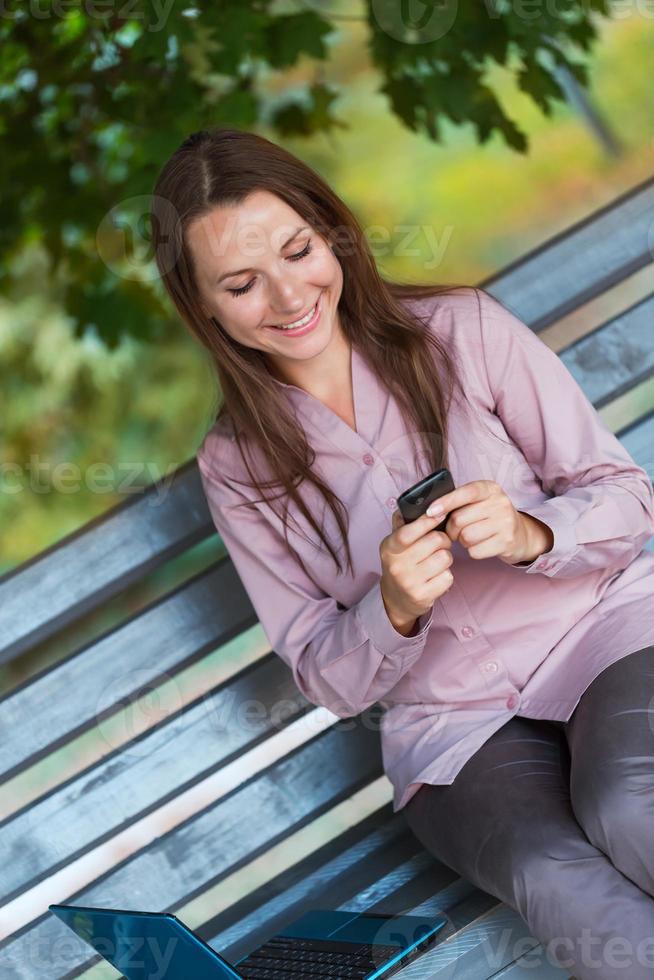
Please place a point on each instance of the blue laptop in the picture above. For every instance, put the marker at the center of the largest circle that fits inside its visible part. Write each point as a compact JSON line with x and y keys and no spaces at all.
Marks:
{"x":322,"y":943}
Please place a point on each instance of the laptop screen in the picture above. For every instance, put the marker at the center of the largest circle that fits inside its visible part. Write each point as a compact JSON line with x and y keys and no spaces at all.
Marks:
{"x":146,"y":945}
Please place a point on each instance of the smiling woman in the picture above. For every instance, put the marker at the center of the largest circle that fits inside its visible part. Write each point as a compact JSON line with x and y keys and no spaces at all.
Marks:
{"x":250,"y":242}
{"x":350,"y":403}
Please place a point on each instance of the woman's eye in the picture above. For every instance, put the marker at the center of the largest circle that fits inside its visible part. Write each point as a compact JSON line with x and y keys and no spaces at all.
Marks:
{"x":292,"y":258}
{"x":242,"y":289}
{"x":300,"y":255}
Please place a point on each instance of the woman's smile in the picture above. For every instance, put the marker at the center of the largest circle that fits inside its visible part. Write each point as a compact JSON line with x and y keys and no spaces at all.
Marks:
{"x":305,"y":323}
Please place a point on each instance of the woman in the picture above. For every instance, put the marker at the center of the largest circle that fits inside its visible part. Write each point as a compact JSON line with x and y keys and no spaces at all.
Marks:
{"x":513,"y":653}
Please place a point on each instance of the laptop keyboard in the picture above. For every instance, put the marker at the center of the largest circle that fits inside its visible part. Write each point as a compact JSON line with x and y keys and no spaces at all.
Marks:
{"x":307,"y":959}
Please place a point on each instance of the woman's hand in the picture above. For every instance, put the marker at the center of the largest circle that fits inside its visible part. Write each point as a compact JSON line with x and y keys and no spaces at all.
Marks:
{"x":483,"y":519}
{"x":415,"y":560}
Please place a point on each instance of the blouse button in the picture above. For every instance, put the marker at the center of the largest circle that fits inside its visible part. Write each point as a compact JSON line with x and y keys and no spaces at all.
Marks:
{"x":467,"y":631}
{"x":368,"y":459}
{"x":490,"y":666}
{"x":390,"y":501}
{"x":512,"y":701}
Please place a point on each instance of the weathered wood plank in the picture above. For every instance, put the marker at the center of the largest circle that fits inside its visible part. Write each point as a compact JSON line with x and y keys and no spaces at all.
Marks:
{"x":523,"y":968}
{"x":100,"y":559}
{"x":156,"y":642}
{"x":616,"y":356}
{"x":134,"y":780}
{"x":580,"y":262}
{"x":638,"y":440}
{"x":481,"y":947}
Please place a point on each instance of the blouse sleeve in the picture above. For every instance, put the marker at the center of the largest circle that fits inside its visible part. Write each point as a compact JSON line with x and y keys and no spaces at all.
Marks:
{"x":344,"y":659}
{"x":601,"y":511}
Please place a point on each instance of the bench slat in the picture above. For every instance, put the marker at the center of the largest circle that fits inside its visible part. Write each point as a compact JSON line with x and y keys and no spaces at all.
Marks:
{"x":79,"y":573}
{"x":616,"y":356}
{"x":580,"y":262}
{"x":479,"y":949}
{"x":131,"y":782}
{"x":638,"y":440}
{"x":523,"y":968}
{"x":160,"y":640}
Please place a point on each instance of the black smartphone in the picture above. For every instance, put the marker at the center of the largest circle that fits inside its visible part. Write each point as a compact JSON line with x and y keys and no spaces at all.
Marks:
{"x":414,"y":502}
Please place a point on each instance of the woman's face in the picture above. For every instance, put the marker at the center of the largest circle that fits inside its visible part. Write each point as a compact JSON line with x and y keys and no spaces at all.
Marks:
{"x":259,"y":265}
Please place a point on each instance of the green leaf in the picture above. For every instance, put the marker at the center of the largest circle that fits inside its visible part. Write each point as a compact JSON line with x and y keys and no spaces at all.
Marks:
{"x":540,"y":84}
{"x":289,"y":37}
{"x":239,"y":109}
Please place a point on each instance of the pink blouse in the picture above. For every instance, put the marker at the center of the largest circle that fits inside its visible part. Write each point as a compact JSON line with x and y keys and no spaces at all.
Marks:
{"x":504,"y":639}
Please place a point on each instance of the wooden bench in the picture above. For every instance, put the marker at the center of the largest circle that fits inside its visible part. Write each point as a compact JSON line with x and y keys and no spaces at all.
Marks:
{"x":237,"y":804}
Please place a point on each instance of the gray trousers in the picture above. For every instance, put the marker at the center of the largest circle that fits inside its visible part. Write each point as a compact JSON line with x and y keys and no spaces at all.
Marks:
{"x":556,"y":819}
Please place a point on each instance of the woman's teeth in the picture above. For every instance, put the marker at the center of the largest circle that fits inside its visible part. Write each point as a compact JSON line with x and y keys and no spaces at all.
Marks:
{"x":297,"y":323}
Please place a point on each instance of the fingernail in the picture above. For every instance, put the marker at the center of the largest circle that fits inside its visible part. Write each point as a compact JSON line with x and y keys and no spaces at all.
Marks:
{"x":434,"y":510}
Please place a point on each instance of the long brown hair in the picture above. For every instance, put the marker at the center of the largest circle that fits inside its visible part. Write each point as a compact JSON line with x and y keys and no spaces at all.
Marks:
{"x":220,"y":167}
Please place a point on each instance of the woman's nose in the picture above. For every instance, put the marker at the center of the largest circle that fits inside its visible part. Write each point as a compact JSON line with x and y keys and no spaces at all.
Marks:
{"x":288,"y":302}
